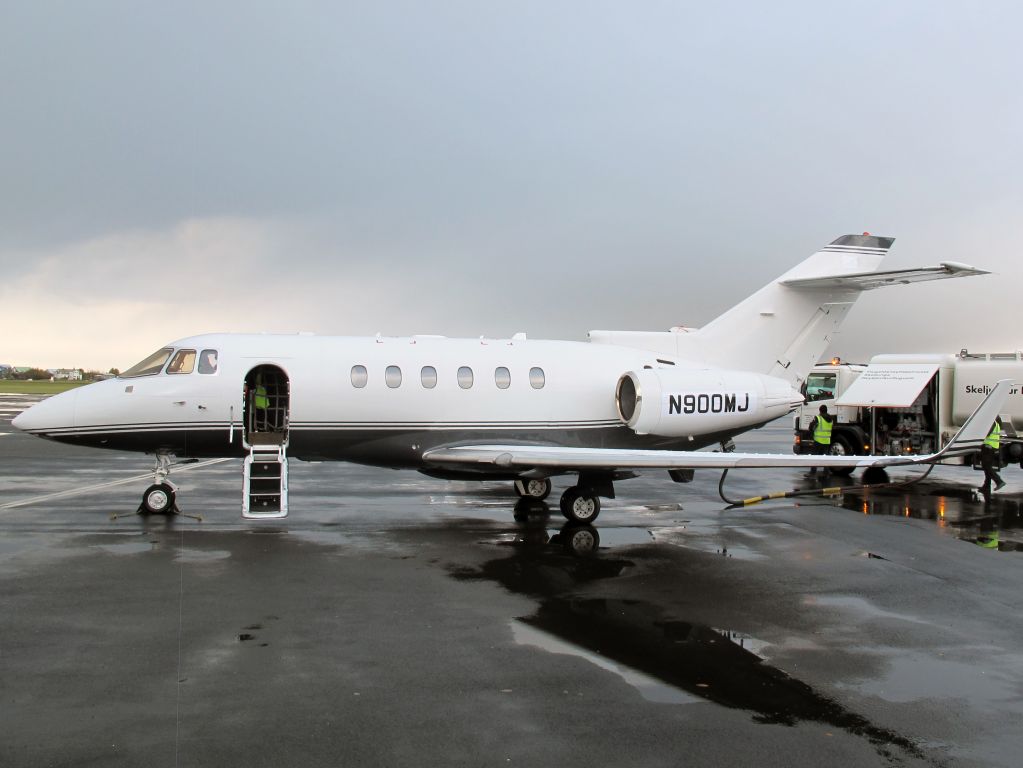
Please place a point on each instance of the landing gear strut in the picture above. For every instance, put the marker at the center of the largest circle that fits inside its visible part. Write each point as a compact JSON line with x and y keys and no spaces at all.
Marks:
{"x":160,"y":497}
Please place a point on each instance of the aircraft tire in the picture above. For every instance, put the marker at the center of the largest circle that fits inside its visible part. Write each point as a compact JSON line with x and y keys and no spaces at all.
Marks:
{"x":578,"y":506}
{"x":840,"y":447}
{"x":537,"y":490}
{"x":158,"y":499}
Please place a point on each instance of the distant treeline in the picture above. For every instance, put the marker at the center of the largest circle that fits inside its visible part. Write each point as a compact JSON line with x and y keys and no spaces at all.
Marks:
{"x":39,"y":374}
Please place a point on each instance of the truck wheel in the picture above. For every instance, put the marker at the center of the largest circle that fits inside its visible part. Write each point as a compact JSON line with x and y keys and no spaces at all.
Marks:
{"x":840,"y":447}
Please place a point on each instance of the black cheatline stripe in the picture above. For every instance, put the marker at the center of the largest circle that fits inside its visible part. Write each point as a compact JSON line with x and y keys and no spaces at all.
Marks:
{"x":148,"y":428}
{"x":148,"y":424}
{"x":118,"y":429}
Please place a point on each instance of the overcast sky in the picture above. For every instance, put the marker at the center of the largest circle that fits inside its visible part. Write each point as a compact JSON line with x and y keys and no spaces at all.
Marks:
{"x":472,"y":168}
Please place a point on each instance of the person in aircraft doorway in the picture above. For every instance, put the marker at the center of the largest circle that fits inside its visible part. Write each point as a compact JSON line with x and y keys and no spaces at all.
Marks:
{"x":990,"y":458}
{"x":261,"y":405}
{"x":820,"y":427}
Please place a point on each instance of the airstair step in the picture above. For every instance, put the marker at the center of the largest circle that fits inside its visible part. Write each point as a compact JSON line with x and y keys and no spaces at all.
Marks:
{"x":265,"y":492}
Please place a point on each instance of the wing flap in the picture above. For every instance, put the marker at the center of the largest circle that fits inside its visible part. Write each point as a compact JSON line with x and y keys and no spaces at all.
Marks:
{"x":563,"y":458}
{"x":527,"y":457}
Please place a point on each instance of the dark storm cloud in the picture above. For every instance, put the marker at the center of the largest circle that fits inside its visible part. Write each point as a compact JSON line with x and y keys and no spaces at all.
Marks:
{"x":556,"y":166}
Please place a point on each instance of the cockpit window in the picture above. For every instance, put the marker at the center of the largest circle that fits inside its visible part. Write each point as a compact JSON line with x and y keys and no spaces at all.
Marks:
{"x":151,"y":366}
{"x":208,"y":361}
{"x":183,"y":362}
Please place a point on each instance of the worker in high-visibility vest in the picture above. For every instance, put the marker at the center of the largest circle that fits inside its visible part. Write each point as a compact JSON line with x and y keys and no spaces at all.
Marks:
{"x":991,"y":458}
{"x":820,"y":428}
{"x":260,"y":399}
{"x":260,"y":407}
{"x":988,"y":539}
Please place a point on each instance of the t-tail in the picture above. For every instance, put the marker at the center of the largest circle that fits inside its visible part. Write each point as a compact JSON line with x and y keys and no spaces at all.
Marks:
{"x":785,"y":328}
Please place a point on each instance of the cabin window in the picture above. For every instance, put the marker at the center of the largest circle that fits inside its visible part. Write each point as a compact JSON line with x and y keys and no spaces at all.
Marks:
{"x":428,"y":376}
{"x":465,"y":377}
{"x":208,"y":361}
{"x":151,"y":366}
{"x":537,"y":378}
{"x":392,"y":376}
{"x":182,"y":362}
{"x":502,"y":377}
{"x":359,"y":376}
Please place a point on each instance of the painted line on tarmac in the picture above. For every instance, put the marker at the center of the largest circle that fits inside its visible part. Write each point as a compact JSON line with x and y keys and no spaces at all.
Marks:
{"x":100,"y":486}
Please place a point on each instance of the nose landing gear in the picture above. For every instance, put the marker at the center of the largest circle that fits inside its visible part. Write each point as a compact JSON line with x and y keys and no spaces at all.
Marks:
{"x":160,"y":498}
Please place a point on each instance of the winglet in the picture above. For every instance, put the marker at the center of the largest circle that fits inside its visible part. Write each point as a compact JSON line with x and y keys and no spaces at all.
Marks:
{"x":971,"y":435}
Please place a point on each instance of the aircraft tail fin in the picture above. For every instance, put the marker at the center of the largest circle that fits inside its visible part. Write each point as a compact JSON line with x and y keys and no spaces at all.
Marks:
{"x":783,"y":329}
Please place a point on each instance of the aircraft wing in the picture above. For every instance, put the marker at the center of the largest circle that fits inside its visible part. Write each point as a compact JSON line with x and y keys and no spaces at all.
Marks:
{"x":527,"y":457}
{"x":866,"y":281}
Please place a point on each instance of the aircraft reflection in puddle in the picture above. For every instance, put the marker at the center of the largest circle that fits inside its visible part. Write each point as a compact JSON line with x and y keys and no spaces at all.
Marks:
{"x":643,"y":644}
{"x":995,"y":523}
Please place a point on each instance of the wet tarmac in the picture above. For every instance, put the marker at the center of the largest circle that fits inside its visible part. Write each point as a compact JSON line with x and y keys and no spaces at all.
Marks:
{"x":397,"y":620}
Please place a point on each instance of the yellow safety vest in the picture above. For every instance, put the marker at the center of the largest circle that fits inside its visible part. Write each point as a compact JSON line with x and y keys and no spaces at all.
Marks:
{"x":995,"y":438}
{"x":988,"y":541}
{"x":260,"y":400}
{"x":822,"y":432}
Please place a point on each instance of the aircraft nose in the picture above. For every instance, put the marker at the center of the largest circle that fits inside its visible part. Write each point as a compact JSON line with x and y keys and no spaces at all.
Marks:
{"x":56,"y":412}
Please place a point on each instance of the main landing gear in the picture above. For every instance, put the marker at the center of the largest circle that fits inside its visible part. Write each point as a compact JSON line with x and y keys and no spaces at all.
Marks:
{"x":580,"y":503}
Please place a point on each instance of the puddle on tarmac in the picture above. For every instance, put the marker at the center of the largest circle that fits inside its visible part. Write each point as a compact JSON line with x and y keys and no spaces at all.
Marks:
{"x":577,"y":539}
{"x":914,"y":676}
{"x":863,"y":609}
{"x":708,"y":538}
{"x":201,"y":555}
{"x":128,"y":548}
{"x":665,"y":658}
{"x":649,"y":687}
{"x":995,"y":524}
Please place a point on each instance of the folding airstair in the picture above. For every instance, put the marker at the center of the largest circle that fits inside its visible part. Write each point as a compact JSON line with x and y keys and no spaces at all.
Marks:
{"x":265,"y":489}
{"x":265,"y":477}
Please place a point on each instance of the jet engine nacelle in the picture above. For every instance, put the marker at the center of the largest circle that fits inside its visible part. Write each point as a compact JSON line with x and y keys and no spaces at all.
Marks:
{"x":680,"y":403}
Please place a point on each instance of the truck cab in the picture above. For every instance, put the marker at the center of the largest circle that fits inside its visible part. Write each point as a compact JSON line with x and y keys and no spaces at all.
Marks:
{"x":825,"y":383}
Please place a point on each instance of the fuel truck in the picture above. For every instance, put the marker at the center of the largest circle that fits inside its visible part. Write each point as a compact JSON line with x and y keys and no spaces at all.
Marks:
{"x":909,"y":403}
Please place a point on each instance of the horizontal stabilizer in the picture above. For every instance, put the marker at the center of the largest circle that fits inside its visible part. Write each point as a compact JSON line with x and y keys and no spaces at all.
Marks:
{"x":867,"y":281}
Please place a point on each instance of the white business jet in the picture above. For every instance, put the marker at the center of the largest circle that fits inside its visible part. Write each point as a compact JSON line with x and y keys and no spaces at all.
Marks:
{"x":517,"y":409}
